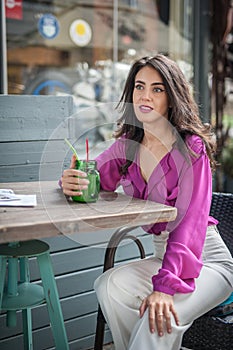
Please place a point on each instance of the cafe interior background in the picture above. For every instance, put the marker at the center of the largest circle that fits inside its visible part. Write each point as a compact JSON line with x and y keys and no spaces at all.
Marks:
{"x":85,"y":48}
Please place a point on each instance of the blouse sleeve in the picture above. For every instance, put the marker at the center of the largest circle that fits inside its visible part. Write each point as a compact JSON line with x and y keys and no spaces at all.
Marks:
{"x":182,"y":261}
{"x":109,"y":164}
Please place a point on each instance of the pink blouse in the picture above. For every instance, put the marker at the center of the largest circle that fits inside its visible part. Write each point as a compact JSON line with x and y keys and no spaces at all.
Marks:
{"x":183,"y":182}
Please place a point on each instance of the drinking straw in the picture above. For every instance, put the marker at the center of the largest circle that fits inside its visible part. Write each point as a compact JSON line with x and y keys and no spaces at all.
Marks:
{"x":72,"y":148}
{"x":87,"y":150}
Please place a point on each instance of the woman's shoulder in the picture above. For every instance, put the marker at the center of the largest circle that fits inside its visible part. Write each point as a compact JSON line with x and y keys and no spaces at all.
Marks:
{"x":121,"y":140}
{"x":116,"y":146}
{"x":196,"y":144}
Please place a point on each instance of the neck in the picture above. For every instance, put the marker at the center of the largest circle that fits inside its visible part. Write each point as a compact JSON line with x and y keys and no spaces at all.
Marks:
{"x":157,"y":137}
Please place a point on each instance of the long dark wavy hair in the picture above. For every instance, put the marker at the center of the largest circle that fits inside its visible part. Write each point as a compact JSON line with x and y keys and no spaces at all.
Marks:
{"x":183,"y":112}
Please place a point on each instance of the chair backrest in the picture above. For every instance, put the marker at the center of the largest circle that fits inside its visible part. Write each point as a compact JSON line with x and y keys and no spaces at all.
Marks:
{"x":222,"y":210}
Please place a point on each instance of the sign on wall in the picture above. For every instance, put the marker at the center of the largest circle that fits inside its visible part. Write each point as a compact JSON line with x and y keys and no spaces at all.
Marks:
{"x":48,"y":26}
{"x":14,"y":9}
{"x":80,"y":32}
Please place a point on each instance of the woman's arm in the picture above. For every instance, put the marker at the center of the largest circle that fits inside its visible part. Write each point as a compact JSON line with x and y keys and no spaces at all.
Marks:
{"x":109,"y":163}
{"x":183,"y":257}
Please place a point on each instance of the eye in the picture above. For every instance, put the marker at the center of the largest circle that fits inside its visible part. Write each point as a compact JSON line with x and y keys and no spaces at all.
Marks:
{"x":138,"y":87}
{"x":158,"y":89}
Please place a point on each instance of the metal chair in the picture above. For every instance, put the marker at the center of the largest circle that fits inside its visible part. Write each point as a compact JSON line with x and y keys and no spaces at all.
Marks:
{"x":206,"y":333}
{"x":117,"y":237}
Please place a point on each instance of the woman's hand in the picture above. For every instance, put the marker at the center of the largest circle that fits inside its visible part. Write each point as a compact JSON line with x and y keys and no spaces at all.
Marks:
{"x":73,"y":181}
{"x":160,"y":307}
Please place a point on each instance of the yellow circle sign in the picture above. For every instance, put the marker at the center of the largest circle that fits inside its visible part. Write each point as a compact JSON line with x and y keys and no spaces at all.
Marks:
{"x":80,"y":32}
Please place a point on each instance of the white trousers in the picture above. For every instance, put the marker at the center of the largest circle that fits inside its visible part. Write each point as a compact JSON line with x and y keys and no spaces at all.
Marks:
{"x":121,"y":290}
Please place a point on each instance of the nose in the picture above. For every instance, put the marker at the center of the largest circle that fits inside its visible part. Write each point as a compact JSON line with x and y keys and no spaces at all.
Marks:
{"x":146,"y":95}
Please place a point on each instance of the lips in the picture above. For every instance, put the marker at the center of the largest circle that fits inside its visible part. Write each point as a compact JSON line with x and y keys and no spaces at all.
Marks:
{"x":145,"y":109}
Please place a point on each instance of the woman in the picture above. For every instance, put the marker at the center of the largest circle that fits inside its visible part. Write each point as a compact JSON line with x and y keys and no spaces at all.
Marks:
{"x":164,"y":153}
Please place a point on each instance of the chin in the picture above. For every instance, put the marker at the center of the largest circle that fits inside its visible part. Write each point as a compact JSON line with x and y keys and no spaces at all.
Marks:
{"x":151,"y":117}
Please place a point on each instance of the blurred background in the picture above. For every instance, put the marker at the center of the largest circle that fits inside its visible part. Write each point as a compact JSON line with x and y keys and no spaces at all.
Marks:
{"x":85,"y":48}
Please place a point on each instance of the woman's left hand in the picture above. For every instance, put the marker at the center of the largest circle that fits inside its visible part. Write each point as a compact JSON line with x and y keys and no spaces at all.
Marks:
{"x":160,"y":308}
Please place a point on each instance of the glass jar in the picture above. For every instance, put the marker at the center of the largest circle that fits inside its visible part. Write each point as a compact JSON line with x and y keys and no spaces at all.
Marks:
{"x":91,"y":194}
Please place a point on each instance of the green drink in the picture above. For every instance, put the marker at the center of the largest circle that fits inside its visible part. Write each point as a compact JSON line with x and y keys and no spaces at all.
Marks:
{"x":91,"y":194}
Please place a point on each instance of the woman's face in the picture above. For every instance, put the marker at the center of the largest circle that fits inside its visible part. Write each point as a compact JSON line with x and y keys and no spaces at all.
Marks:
{"x":150,"y":99}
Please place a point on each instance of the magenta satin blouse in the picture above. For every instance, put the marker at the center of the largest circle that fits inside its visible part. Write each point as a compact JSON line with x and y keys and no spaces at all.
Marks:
{"x":183,"y":182}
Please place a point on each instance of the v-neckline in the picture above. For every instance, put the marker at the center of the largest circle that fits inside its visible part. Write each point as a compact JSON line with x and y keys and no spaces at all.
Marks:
{"x":158,"y":165}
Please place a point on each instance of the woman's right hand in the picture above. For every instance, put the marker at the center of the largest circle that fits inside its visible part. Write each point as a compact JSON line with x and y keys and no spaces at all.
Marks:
{"x":73,"y":181}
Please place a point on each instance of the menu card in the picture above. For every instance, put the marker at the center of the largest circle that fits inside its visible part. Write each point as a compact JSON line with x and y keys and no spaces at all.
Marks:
{"x":9,"y":199}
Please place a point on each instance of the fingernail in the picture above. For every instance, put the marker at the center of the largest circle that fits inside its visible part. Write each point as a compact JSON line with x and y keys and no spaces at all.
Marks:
{"x":160,"y":334}
{"x":152,"y":331}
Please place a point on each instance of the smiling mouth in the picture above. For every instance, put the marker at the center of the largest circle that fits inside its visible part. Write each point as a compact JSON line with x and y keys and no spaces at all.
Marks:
{"x":145,"y":109}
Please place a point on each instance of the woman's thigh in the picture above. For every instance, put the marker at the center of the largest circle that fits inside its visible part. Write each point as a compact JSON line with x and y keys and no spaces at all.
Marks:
{"x":211,"y":288}
{"x":131,"y":283}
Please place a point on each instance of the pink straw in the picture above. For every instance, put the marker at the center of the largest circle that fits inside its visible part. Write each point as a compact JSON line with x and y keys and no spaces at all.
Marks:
{"x":87,"y":150}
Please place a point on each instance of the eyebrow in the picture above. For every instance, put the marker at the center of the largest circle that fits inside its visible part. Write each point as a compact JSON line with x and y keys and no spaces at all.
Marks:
{"x":155,"y":83}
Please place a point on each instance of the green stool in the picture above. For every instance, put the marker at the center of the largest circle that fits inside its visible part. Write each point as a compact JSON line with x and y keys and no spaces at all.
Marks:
{"x":20,"y":294}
